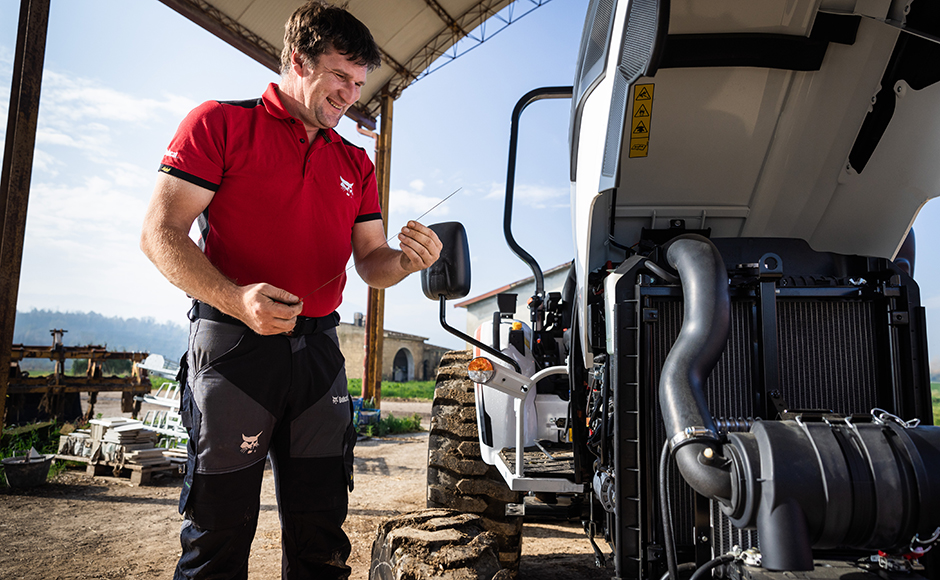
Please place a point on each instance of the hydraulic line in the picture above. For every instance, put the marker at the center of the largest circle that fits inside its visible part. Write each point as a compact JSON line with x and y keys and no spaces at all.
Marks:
{"x":666,"y":511}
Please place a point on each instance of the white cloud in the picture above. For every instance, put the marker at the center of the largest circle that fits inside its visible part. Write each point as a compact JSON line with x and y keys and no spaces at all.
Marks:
{"x":130,"y":176}
{"x":535,"y":196}
{"x":417,"y":185}
{"x":410,"y":205}
{"x":44,"y":164}
{"x":96,"y":221}
{"x":81,"y":114}
{"x":77,"y":99}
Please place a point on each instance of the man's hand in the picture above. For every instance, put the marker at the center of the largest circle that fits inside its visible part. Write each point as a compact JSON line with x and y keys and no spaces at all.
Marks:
{"x":420,"y":247}
{"x":267,"y":309}
{"x":380,"y":266}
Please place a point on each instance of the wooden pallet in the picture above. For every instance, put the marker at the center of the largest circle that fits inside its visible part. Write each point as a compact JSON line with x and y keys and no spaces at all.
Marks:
{"x":139,"y":474}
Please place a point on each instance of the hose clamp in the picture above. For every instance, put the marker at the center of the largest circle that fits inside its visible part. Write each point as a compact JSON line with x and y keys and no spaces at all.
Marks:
{"x":689,"y":434}
{"x":882,"y":417}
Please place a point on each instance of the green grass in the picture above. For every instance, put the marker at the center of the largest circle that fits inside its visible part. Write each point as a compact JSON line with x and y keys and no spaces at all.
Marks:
{"x":44,"y":437}
{"x":392,"y":425}
{"x":411,"y":390}
{"x":935,"y":400}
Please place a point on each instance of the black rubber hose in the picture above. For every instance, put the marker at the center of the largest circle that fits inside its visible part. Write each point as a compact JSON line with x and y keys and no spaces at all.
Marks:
{"x":686,"y":567}
{"x":702,"y":339}
{"x":672,"y":571}
{"x":707,"y":567}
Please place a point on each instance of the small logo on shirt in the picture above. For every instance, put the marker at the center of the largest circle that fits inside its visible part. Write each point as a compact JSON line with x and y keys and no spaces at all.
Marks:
{"x":172,"y":154}
{"x":346,"y":185}
{"x":338,"y":400}
{"x":250,"y":444}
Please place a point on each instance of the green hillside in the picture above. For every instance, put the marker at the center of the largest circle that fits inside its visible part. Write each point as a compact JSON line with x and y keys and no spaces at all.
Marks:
{"x":84,"y":328}
{"x":935,"y":400}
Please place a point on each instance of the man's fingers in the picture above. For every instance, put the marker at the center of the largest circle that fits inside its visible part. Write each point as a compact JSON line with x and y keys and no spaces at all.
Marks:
{"x":420,"y":245}
{"x":271,"y":310}
{"x":278,"y":295}
{"x":423,"y":235}
{"x":418,"y":254}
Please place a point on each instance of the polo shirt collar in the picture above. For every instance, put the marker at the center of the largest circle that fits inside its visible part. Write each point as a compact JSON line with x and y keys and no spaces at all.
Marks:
{"x":273,"y":105}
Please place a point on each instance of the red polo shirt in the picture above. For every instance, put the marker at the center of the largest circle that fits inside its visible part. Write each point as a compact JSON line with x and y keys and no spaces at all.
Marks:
{"x":283,"y":209}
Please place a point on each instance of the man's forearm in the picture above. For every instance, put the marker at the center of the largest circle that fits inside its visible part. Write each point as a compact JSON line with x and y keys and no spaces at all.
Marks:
{"x":178,"y":258}
{"x":382,"y":268}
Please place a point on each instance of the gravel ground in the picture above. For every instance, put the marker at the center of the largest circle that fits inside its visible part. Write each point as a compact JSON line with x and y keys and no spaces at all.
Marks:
{"x":80,"y":527}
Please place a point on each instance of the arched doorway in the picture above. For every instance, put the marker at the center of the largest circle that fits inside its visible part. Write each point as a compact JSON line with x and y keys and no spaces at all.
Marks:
{"x":403,"y":366}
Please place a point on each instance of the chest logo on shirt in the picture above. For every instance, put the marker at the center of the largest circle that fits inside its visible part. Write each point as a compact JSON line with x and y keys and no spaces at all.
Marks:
{"x":346,"y":185}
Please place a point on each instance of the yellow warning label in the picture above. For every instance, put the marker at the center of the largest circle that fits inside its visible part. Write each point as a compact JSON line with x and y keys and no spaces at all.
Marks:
{"x":641,"y":120}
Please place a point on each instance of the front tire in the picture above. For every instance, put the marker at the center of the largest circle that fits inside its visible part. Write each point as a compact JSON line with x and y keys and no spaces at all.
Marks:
{"x":457,"y":476}
{"x":435,"y":545}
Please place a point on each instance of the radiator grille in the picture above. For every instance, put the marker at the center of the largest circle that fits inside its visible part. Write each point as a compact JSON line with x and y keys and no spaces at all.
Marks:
{"x":827,"y":355}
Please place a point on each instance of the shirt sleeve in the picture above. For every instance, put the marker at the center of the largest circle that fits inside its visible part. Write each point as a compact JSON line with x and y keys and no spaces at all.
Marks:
{"x":369,"y":208}
{"x":197,"y":151}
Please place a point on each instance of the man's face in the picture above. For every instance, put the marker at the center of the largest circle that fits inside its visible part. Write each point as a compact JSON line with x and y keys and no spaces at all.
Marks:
{"x":330,"y":85}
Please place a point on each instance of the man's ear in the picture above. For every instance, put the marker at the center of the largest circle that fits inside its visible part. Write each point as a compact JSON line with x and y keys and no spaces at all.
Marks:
{"x":297,"y":63}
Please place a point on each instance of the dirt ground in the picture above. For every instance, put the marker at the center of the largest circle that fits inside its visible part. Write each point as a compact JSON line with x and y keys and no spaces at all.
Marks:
{"x":78,"y":527}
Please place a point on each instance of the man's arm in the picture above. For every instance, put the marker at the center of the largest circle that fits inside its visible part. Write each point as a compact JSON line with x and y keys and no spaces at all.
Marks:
{"x":174,"y":207}
{"x":379,"y":265}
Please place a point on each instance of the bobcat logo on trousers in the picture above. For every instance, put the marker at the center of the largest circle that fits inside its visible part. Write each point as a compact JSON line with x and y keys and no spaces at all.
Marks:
{"x":250,"y":444}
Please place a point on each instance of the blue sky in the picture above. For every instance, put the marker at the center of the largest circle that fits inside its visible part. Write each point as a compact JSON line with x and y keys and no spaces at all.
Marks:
{"x":119,"y":76}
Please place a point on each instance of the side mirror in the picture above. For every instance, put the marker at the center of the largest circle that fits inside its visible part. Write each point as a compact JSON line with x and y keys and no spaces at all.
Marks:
{"x":450,"y":275}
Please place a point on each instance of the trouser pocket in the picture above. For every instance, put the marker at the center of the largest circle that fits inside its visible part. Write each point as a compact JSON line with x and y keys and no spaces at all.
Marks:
{"x":190,"y":417}
{"x":349,"y":444}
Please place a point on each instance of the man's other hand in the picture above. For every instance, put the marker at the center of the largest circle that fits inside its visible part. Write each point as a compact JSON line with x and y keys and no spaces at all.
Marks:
{"x":267,"y":309}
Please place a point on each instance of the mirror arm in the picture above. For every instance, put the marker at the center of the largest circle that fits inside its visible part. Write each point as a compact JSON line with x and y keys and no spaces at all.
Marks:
{"x":486,"y":348}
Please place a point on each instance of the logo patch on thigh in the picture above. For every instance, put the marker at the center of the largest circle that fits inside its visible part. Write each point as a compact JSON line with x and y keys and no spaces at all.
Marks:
{"x":250,"y":444}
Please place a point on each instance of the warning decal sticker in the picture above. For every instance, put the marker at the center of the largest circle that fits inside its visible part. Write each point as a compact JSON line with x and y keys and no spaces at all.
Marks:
{"x":642,"y":114}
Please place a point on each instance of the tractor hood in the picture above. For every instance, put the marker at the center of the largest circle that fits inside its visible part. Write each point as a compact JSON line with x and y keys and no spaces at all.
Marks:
{"x":809,"y":119}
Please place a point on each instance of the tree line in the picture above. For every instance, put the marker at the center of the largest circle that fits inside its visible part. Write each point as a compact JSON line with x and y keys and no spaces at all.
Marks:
{"x":90,"y":328}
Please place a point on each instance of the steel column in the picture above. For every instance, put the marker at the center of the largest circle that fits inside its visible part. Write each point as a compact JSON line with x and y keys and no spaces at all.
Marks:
{"x":17,"y":169}
{"x":375,"y":317}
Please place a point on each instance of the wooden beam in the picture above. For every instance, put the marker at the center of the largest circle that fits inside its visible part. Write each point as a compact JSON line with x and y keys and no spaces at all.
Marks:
{"x":17,"y":169}
{"x":218,"y":23}
{"x":447,"y":18}
{"x":375,"y":315}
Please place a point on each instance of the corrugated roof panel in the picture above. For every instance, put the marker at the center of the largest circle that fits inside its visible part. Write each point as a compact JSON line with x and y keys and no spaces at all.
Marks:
{"x":412,"y":33}
{"x":266,"y":19}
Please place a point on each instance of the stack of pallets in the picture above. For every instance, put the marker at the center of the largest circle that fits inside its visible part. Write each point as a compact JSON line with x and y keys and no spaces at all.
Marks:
{"x":122,"y":445}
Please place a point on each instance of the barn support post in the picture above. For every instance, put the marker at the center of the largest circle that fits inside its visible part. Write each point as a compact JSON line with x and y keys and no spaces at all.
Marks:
{"x":375,"y":316}
{"x":17,"y":169}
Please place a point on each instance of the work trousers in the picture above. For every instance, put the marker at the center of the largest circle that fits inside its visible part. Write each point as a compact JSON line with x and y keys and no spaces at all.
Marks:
{"x":248,"y":397}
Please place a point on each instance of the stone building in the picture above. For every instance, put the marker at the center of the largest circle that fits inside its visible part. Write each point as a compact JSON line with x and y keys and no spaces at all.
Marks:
{"x":405,"y":357}
{"x":481,"y":308}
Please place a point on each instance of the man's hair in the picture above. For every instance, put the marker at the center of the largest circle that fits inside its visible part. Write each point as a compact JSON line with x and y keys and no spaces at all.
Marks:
{"x":316,"y":26}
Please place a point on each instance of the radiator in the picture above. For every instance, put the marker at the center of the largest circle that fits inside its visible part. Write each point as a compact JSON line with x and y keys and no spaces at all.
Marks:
{"x":827,"y":361}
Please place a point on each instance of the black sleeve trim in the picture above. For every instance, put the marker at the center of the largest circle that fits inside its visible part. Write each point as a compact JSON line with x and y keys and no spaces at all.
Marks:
{"x":245,"y":104}
{"x":368,"y":217}
{"x":188,"y":177}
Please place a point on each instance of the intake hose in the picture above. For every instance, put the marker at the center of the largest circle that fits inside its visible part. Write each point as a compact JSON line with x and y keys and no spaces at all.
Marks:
{"x":690,"y":429}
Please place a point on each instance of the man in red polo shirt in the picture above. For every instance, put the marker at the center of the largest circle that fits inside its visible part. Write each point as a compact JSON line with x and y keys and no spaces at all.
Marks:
{"x":282,"y":201}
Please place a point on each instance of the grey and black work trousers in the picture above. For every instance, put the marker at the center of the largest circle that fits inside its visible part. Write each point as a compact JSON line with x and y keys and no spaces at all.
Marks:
{"x":248,"y":397}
